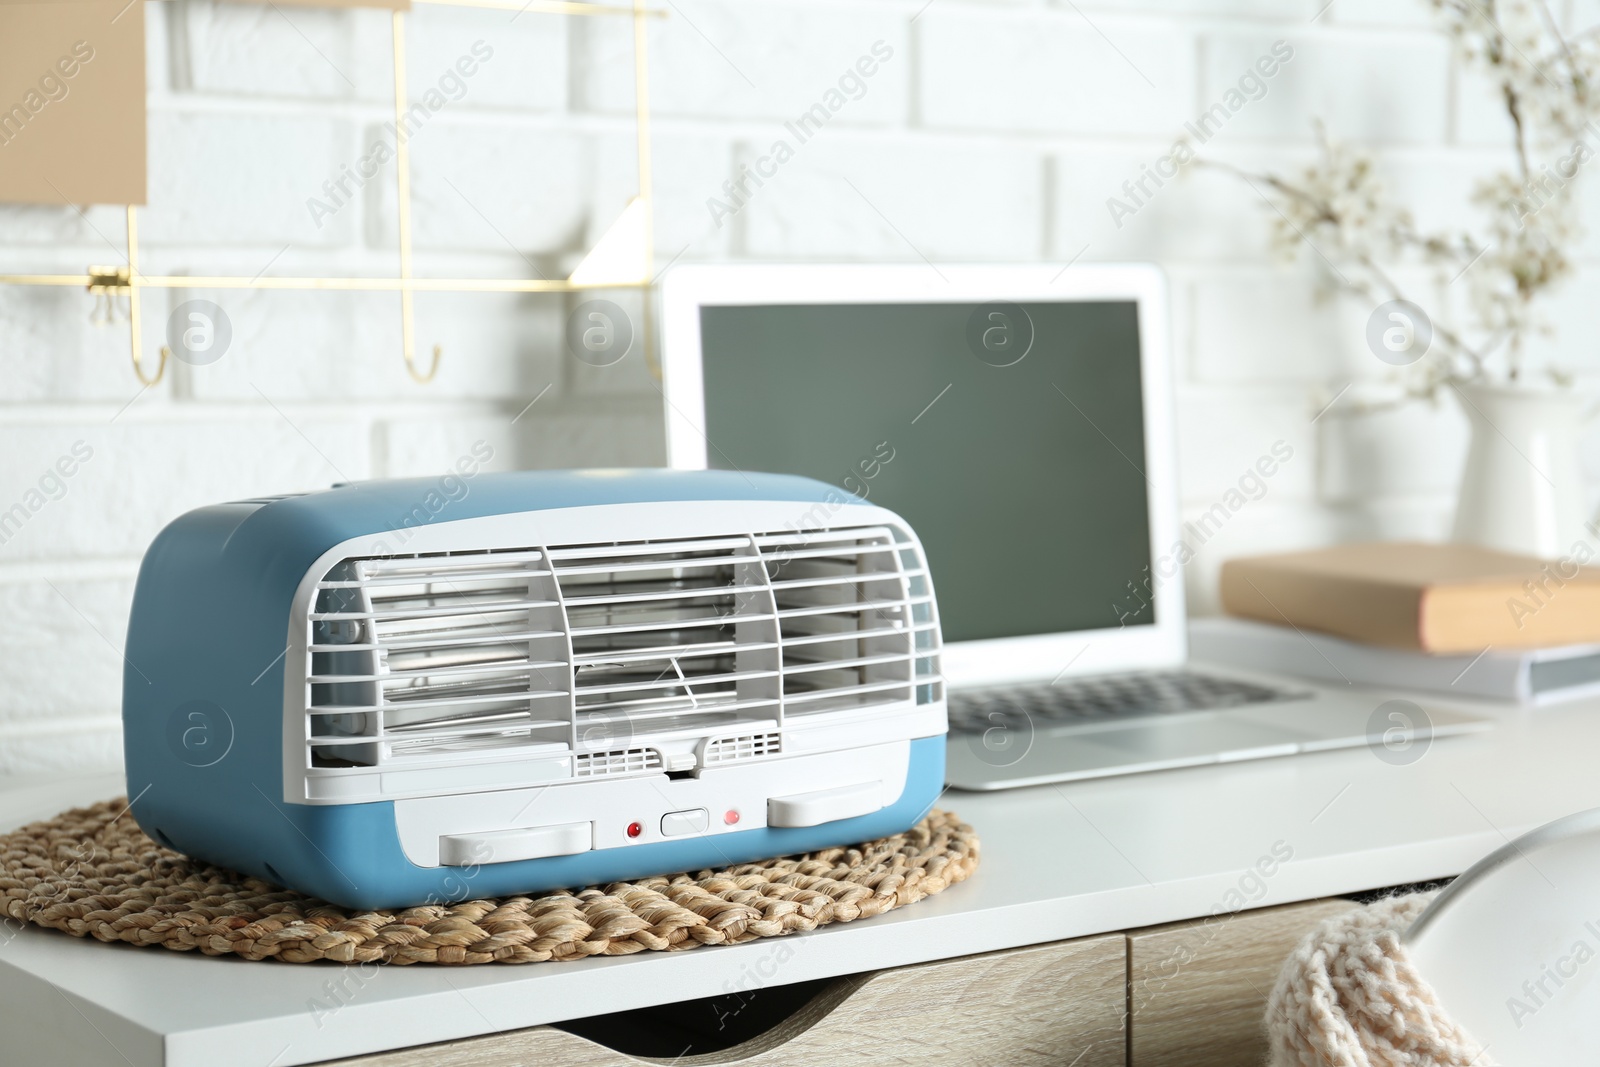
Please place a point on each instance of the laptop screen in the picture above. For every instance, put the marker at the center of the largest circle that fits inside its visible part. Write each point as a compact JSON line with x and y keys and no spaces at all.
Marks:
{"x":1010,"y":438}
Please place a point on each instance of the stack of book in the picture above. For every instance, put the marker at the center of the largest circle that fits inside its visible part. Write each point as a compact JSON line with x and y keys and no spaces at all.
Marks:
{"x":1453,"y":618}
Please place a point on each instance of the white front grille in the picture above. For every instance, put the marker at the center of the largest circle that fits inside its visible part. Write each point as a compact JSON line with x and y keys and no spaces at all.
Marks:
{"x":847,"y":618}
{"x":428,"y":656}
{"x":668,"y":638}
{"x":616,"y":654}
{"x":742,"y":747}
{"x":618,"y":761}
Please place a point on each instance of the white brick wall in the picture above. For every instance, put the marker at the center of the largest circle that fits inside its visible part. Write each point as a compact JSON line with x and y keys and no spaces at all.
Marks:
{"x":1052,"y":71}
{"x":994,"y":131}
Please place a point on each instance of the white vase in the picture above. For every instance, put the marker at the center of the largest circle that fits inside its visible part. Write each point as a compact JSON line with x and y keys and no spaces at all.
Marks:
{"x":1522,"y":486}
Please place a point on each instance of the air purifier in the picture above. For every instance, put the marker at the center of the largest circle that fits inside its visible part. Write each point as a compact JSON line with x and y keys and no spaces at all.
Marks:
{"x":396,"y":693}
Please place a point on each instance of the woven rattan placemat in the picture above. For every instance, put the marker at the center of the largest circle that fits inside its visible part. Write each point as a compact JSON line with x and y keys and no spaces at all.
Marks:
{"x":92,"y":872}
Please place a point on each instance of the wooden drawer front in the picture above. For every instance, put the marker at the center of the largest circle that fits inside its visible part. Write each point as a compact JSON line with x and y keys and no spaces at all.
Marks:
{"x":1045,"y":1005}
{"x":1051,"y":1004}
{"x":1197,"y":990}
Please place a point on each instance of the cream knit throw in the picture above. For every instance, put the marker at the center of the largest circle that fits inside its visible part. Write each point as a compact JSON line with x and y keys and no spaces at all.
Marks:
{"x":1349,"y":997}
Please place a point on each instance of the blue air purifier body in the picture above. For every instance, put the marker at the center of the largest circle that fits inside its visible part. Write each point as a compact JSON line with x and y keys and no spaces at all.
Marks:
{"x":395,"y":693}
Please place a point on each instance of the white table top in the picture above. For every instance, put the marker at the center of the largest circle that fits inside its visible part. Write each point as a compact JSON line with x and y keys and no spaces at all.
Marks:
{"x":1058,"y":862}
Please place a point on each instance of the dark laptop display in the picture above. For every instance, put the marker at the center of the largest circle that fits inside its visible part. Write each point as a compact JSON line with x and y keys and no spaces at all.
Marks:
{"x":1025,"y":481}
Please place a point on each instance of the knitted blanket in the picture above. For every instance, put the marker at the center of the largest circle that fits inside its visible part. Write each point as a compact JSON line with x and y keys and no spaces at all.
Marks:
{"x":1349,"y":997}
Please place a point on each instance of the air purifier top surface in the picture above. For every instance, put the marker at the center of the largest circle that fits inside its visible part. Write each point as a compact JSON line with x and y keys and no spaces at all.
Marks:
{"x":357,"y":508}
{"x":282,"y":536}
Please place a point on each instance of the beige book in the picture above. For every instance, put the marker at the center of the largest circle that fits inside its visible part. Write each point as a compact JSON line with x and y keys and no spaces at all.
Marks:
{"x":72,"y":113}
{"x":1427,"y":597}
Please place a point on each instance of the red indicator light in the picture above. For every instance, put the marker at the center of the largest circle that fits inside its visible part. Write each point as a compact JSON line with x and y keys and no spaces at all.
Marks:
{"x":635,"y":829}
{"x":731,"y":816}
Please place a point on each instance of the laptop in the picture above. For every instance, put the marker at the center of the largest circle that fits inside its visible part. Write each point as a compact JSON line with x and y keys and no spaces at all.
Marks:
{"x":1021,"y":419}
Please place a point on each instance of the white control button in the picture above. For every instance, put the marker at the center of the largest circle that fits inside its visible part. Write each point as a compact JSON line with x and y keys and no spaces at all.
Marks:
{"x":825,"y":805}
{"x":678,"y":823}
{"x":503,"y":846}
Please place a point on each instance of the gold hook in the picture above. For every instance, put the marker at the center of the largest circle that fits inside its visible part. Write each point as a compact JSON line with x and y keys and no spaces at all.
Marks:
{"x":161,"y":369}
{"x":433,"y":368}
{"x":127,"y":278}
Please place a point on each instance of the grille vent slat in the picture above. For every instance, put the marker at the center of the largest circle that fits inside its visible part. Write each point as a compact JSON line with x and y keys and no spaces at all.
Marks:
{"x":607,"y":652}
{"x":617,"y":761}
{"x":742,"y":747}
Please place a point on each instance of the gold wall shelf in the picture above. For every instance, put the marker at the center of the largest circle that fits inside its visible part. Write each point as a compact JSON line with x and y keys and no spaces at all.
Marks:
{"x":128,"y":281}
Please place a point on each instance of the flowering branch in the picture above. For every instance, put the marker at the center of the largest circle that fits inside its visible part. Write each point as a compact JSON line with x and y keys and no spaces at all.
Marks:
{"x":1339,"y":209}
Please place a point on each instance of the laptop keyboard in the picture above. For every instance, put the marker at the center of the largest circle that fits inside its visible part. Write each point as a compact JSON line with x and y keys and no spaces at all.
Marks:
{"x":1105,"y":698}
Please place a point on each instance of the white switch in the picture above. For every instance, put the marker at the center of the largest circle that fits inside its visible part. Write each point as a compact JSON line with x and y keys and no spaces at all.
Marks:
{"x":678,"y":823}
{"x":504,"y":846}
{"x":825,"y":805}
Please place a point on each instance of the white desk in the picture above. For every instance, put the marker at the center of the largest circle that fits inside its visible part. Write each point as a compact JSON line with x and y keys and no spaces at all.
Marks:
{"x":1058,"y":862}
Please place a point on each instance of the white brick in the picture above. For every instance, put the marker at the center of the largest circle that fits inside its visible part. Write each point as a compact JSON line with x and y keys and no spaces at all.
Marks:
{"x":526,"y":68}
{"x":50,"y":351}
{"x":371,"y":63}
{"x":1278,"y":327}
{"x":320,"y":347}
{"x":1376,"y":89}
{"x":547,"y":436}
{"x":1440,"y":190}
{"x":77,"y":747}
{"x":1573,"y":315}
{"x":63,"y":641}
{"x":491,"y":345}
{"x":629,"y":374}
{"x":1052,"y":72}
{"x":99,"y":228}
{"x":1180,"y":328}
{"x":902,"y":201}
{"x":1423,"y":519}
{"x":1436,"y":188}
{"x":295,"y":346}
{"x":1213,"y":214}
{"x":1586,"y":200}
{"x":1384,"y":13}
{"x":1579,"y":15}
{"x":1481,"y":118}
{"x":494,"y":189}
{"x":1208,"y":213}
{"x":1200,"y":214}
{"x":1276,"y":10}
{"x":617,"y":438}
{"x":1568,"y":315}
{"x":143,"y":475}
{"x":1413,"y":451}
{"x":768,"y":60}
{"x":1589,"y":453}
{"x":157,"y":54}
{"x":1221,"y":437}
{"x":267,"y":49}
{"x":1264,"y":526}
{"x":685,"y":171}
{"x":423,"y":448}
{"x":244,"y":179}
